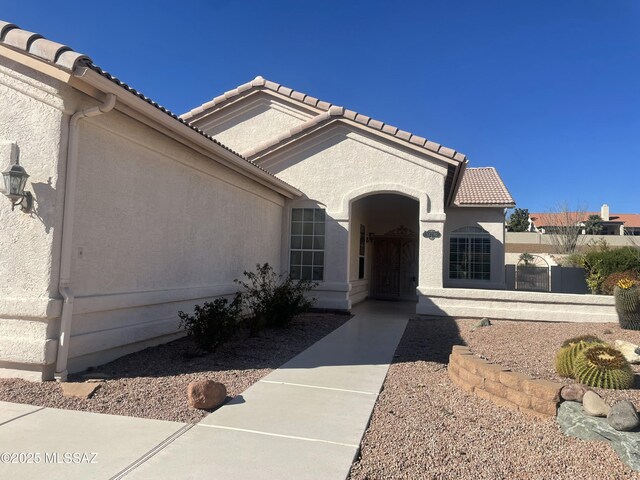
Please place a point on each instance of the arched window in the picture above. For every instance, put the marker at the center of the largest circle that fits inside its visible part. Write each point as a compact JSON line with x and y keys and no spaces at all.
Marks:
{"x":470,"y":254}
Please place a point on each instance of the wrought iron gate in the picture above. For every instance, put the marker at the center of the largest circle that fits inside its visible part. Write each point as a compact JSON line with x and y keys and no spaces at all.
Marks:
{"x":533,"y":273}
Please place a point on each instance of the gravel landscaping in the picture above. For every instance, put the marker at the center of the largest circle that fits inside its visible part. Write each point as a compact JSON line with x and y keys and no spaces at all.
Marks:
{"x":423,"y":426}
{"x":153,"y":383}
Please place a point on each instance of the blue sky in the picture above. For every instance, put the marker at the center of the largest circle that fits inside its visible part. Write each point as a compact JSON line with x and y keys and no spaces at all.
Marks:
{"x":548,"y":92}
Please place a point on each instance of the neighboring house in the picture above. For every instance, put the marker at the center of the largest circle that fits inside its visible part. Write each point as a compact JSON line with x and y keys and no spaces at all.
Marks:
{"x":612,"y":223}
{"x":138,"y":213}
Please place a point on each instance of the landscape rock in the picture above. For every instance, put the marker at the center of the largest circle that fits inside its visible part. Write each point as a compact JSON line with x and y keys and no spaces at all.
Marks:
{"x":623,"y":416}
{"x":573,"y":392}
{"x":206,"y":394}
{"x":573,"y":422}
{"x":485,"y":322}
{"x":78,"y":390}
{"x":594,"y":405}
{"x":628,"y":350}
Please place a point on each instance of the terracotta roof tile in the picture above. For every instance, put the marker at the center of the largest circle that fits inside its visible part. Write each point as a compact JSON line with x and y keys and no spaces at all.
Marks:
{"x":377,"y":124}
{"x":38,"y":46}
{"x":483,"y":186}
{"x":390,"y":129}
{"x":64,"y":57}
{"x":261,"y":83}
{"x":417,"y":140}
{"x":550,"y":218}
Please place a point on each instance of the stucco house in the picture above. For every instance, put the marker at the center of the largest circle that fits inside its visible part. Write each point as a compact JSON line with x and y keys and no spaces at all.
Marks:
{"x":611,"y":223}
{"x":138,"y":213}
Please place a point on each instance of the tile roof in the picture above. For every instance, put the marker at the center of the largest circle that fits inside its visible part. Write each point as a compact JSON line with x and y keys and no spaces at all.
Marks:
{"x":64,"y":57}
{"x":329,"y":109}
{"x":38,"y":46}
{"x":551,"y":219}
{"x":483,"y":186}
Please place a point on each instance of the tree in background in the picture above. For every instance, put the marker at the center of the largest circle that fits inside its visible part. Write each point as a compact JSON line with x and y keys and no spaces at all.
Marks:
{"x":519,"y":220}
{"x":563,"y":226}
{"x":593,"y":225}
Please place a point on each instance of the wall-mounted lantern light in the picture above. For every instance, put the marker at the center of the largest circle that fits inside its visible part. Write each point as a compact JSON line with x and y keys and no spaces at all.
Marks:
{"x":370,"y":237}
{"x":15,"y":178}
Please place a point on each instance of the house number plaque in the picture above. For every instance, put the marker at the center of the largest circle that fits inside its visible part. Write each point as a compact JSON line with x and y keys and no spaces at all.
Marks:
{"x":431,"y":234}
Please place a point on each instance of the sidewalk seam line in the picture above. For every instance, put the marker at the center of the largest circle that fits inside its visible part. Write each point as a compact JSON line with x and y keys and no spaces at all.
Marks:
{"x":23,"y":415}
{"x":143,"y":459}
{"x":279,"y":435}
{"x":318,"y":387}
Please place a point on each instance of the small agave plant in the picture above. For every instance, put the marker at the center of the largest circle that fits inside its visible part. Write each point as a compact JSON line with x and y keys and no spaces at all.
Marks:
{"x":627,"y":298}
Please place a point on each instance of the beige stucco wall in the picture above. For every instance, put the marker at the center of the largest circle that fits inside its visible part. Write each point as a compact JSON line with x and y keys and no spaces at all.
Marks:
{"x":510,"y":305}
{"x":339,"y":165}
{"x":32,"y":119}
{"x":158,"y":227}
{"x":253,"y":120}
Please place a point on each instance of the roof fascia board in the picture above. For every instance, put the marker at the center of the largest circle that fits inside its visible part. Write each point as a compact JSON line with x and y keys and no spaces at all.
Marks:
{"x":186,"y":133}
{"x":36,"y":64}
{"x":457,"y":180}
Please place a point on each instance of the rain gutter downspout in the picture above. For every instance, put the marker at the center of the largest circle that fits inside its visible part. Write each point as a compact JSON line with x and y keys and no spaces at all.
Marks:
{"x":64,"y":284}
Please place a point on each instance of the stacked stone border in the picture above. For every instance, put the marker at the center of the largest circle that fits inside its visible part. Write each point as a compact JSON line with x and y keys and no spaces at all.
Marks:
{"x":503,"y":387}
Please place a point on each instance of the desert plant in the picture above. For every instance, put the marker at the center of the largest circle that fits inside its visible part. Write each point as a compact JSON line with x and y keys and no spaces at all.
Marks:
{"x":571,"y":348}
{"x":602,"y":366}
{"x":588,"y":338}
{"x":273,"y":299}
{"x":526,"y":258}
{"x":213,"y":323}
{"x":627,"y":296}
{"x":612,"y":280}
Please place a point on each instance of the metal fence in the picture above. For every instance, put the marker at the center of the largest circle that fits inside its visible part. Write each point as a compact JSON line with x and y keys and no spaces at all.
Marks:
{"x":533,"y":275}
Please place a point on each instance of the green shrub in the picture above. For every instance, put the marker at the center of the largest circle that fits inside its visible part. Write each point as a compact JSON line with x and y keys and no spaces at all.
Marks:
{"x":214,"y":323}
{"x":614,"y":260}
{"x":273,"y":299}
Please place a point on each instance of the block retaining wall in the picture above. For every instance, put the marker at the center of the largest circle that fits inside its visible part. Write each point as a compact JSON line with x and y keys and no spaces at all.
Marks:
{"x":503,"y":387}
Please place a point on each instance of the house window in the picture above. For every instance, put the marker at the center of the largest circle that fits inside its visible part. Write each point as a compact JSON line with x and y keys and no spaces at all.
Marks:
{"x":307,"y":244}
{"x":361,"y":252}
{"x":470,"y":254}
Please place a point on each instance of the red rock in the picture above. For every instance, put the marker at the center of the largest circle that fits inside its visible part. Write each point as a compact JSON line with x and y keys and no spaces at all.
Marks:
{"x":573,"y":392}
{"x":206,"y":394}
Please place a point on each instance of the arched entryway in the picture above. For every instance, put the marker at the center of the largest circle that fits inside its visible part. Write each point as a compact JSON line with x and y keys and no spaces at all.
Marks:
{"x":384,"y":247}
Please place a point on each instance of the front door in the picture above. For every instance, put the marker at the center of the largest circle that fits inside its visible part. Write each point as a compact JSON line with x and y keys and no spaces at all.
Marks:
{"x":395,"y":266}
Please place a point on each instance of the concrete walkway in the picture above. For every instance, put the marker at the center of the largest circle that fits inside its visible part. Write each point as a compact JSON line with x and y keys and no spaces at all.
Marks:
{"x":305,"y":420}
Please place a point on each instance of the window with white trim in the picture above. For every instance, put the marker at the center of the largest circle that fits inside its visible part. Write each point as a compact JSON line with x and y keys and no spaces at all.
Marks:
{"x":470,"y":254}
{"x":306,"y":261}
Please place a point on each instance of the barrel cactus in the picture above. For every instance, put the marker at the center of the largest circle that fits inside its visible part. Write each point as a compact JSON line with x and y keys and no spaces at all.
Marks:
{"x":627,"y":297}
{"x":602,"y":366}
{"x":565,"y":359}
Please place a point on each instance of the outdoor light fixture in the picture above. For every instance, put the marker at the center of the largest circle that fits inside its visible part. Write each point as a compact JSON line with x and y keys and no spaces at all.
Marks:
{"x":370,"y":237}
{"x":15,"y":178}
